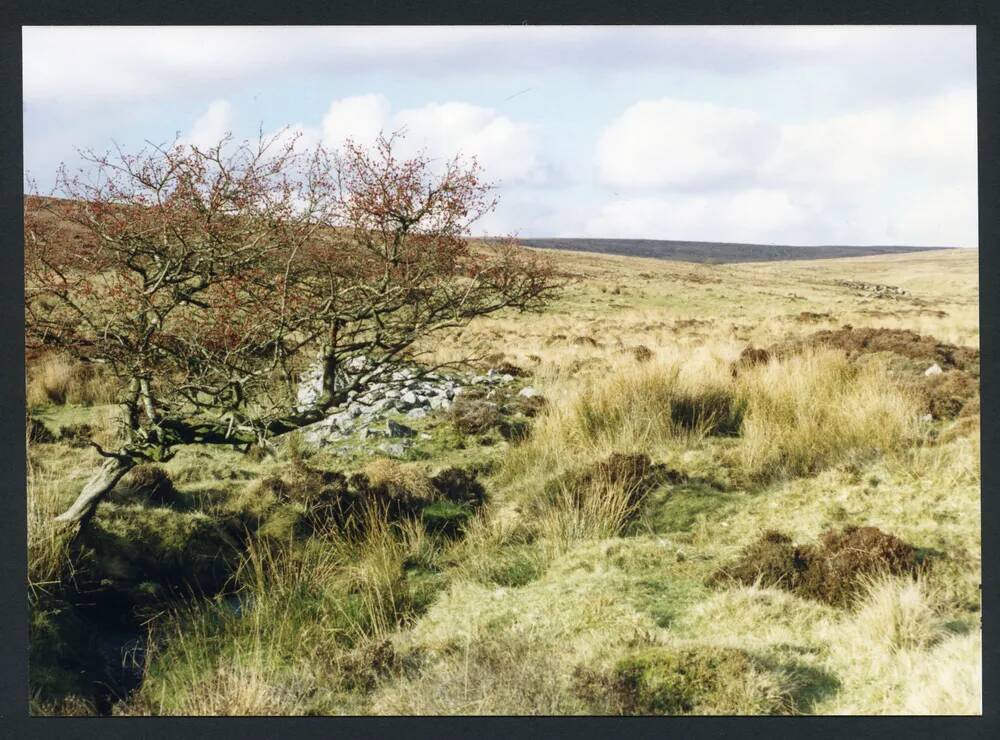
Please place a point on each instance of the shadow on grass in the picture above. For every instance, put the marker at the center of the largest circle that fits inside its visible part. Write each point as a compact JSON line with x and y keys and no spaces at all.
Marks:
{"x":812,"y":685}
{"x":678,"y":508}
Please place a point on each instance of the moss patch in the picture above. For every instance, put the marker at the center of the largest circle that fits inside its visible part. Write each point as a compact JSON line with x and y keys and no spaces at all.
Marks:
{"x":446,"y":517}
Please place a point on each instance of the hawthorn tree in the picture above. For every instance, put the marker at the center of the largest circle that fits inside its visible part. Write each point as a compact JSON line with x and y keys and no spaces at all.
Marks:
{"x":207,"y":279}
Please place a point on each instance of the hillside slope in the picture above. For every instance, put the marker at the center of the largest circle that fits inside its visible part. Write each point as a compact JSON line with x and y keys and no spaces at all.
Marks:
{"x":713,"y":252}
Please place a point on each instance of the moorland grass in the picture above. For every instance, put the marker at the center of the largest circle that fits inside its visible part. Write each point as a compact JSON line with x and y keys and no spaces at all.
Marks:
{"x":555,"y":579}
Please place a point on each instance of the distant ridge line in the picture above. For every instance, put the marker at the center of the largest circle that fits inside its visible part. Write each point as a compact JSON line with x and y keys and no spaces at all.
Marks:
{"x":715,"y":252}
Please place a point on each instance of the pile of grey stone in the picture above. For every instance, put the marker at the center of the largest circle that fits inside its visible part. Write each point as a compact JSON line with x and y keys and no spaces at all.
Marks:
{"x":382,"y":409}
{"x":876,"y":290}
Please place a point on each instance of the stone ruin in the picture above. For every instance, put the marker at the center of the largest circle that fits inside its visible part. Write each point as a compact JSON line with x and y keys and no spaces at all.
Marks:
{"x":382,"y":408}
{"x":875,"y":290}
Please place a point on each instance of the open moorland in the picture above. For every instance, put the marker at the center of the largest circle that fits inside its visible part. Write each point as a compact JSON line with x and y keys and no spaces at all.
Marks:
{"x":711,"y":252}
{"x":679,"y":489}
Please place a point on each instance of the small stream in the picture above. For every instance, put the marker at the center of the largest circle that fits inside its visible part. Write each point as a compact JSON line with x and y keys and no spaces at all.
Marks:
{"x":120,"y":640}
{"x":123,"y":657}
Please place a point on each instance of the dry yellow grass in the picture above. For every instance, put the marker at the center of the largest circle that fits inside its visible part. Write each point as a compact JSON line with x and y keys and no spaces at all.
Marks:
{"x":793,"y":416}
{"x":537,"y":589}
{"x":48,"y":542}
{"x":56,"y":379}
{"x":385,"y":471}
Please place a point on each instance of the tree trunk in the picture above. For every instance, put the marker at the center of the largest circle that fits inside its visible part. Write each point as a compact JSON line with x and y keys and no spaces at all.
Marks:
{"x":97,"y":488}
{"x":193,"y":431}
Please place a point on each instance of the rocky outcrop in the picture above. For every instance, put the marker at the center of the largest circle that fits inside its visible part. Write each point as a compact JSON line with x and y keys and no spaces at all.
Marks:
{"x":406,"y":392}
{"x":874,"y":290}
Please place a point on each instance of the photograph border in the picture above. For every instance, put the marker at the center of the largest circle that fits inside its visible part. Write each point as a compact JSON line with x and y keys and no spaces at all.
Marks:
{"x":13,"y":606}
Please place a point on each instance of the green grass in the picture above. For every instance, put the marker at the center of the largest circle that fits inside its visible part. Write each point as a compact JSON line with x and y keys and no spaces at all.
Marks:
{"x":545,"y":596}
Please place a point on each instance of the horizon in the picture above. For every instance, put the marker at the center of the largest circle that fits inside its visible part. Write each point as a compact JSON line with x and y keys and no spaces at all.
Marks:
{"x":658,"y":240}
{"x":740,"y":244}
{"x":751,"y":135}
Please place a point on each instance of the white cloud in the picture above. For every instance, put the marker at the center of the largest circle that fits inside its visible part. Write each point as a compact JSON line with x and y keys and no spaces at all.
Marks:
{"x":943,"y":134}
{"x":937,"y":139}
{"x":935,"y":216}
{"x":890,"y":174}
{"x":680,"y":143}
{"x":754,"y":215}
{"x":674,"y":143}
{"x":360,"y":118}
{"x":209,"y":128}
{"x":507,"y":150}
{"x":99,"y":64}
{"x":945,"y":217}
{"x":95,"y":64}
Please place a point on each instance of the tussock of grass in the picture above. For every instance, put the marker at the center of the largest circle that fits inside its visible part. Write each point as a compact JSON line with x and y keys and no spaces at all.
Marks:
{"x":793,"y":416}
{"x":498,"y":548}
{"x":898,"y":653}
{"x":690,"y":680}
{"x":812,"y":410}
{"x":56,"y":379}
{"x":385,"y":472}
{"x":597,"y":511}
{"x":49,"y":558}
{"x":489,"y":677}
{"x":895,"y":615}
{"x":949,"y":680}
{"x":376,"y":577}
{"x":558,"y":571}
{"x":300,"y":609}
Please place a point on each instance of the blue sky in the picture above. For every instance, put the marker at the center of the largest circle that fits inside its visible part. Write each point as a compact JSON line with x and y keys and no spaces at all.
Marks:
{"x":793,"y":135}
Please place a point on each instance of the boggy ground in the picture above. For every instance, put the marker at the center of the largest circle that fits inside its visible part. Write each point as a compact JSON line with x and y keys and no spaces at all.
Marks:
{"x":681,"y":527}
